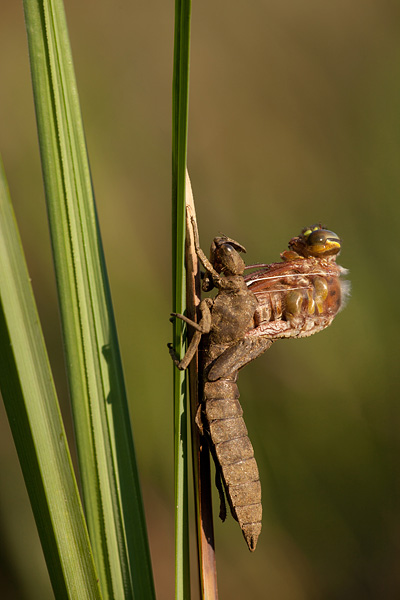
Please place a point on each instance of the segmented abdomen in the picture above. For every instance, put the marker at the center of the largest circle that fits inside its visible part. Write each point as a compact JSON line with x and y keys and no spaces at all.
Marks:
{"x":223,"y":420}
{"x":297,"y":299}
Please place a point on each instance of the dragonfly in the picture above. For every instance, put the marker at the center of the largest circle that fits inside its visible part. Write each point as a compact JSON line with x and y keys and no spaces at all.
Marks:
{"x":303,"y":293}
{"x":295,"y":297}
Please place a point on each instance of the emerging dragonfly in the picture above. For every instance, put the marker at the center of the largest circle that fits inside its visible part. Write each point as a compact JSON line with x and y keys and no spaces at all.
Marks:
{"x":302,"y":294}
{"x":293,"y":298}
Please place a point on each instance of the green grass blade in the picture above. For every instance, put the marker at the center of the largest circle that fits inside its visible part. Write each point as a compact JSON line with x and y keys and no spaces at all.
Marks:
{"x":180,"y":104}
{"x":108,"y":470}
{"x":32,"y":408}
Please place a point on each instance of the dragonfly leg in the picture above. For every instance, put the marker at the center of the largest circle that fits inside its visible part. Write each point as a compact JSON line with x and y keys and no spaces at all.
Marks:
{"x":218,"y":476}
{"x":237,"y":356}
{"x":216,"y":278}
{"x":220,"y":488}
{"x":203,"y":326}
{"x":196,"y":326}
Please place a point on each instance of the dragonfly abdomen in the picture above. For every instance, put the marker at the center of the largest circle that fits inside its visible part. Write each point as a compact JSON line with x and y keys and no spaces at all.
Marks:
{"x":223,"y":421}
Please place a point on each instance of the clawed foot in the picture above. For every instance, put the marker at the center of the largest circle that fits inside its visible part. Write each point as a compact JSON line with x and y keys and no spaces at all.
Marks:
{"x":174,"y":357}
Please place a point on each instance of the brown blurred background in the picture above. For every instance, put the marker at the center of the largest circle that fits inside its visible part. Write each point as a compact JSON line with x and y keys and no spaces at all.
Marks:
{"x":294,"y":118}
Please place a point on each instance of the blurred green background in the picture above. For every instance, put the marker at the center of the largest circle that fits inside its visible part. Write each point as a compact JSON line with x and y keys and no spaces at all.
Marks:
{"x":294,"y":118}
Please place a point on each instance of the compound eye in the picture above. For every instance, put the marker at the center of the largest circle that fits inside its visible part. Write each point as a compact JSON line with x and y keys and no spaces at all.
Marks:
{"x":319,"y":237}
{"x":323,"y":242}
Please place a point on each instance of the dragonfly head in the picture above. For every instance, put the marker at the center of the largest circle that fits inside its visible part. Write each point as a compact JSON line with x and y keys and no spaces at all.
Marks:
{"x":225,"y":256}
{"x":316,"y":241}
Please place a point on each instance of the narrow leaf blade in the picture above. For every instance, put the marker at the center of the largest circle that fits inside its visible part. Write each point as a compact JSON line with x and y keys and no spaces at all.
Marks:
{"x":106,"y":454}
{"x":32,"y":408}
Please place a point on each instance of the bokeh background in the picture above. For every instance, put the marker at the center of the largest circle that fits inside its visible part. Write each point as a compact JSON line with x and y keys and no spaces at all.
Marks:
{"x":294,"y":118}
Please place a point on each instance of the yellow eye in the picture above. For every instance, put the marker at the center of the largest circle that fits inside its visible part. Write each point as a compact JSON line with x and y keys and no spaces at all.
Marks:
{"x":321,"y":242}
{"x":315,"y":241}
{"x":308,"y":230}
{"x":322,"y":236}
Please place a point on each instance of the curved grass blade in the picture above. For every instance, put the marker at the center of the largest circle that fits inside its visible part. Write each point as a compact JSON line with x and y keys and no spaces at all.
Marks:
{"x":108,"y":470}
{"x":34,"y":415}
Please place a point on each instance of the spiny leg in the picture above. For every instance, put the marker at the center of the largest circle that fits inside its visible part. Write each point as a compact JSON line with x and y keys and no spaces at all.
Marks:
{"x":237,"y":356}
{"x":218,"y":474}
{"x":202,"y":327}
{"x":202,"y":257}
{"x":221,"y":492}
